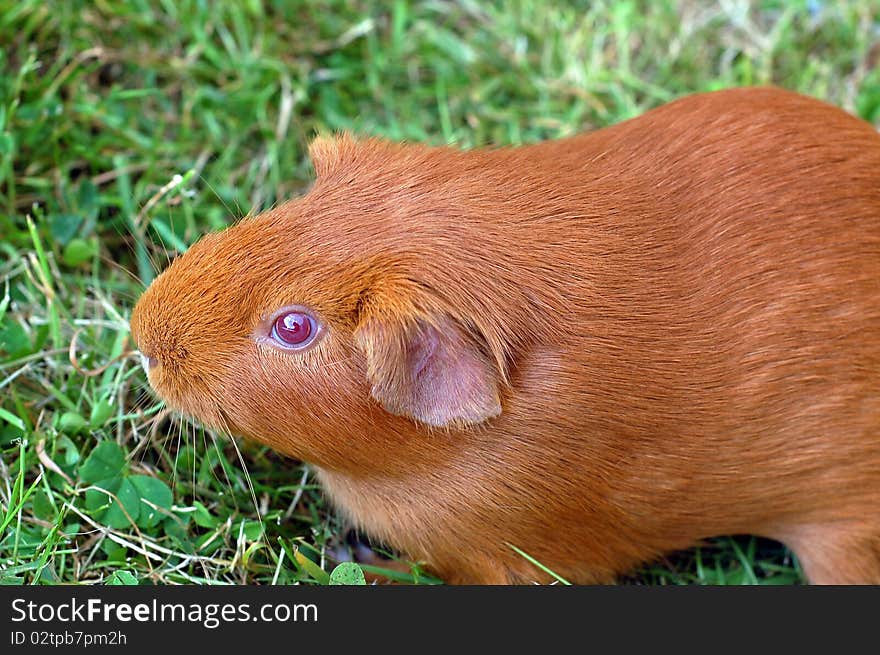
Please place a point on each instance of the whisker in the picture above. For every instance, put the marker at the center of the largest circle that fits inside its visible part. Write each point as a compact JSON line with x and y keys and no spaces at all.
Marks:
{"x":162,"y":242}
{"x":232,"y":214}
{"x":114,"y":264}
{"x":338,"y":362}
{"x":191,"y":437}
{"x":244,"y":468}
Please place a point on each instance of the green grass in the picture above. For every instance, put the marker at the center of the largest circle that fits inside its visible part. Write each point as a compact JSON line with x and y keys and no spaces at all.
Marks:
{"x":104,"y":104}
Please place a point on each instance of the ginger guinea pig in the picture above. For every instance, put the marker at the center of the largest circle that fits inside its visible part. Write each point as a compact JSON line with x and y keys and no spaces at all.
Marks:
{"x":598,"y":349}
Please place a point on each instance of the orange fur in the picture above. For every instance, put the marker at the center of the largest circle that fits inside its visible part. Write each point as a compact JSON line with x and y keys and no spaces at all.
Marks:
{"x":678,"y":318}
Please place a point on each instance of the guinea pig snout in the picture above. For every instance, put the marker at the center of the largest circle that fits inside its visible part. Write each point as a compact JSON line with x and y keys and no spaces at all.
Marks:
{"x":148,"y":362}
{"x":154,"y":355}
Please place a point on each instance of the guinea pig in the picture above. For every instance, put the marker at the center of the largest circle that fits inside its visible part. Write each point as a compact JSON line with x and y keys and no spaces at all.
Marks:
{"x":596,"y":350}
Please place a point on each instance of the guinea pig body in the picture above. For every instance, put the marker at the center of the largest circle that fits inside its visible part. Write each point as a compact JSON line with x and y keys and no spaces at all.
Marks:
{"x":597,"y":350}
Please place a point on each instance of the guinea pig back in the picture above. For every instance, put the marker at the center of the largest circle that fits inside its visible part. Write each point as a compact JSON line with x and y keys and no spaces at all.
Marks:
{"x":598,"y":349}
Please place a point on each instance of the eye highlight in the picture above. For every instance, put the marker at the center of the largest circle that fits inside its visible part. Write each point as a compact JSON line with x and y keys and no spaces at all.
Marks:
{"x":291,"y":328}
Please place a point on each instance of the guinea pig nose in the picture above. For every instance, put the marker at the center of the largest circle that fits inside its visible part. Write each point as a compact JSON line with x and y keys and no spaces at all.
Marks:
{"x":148,"y":362}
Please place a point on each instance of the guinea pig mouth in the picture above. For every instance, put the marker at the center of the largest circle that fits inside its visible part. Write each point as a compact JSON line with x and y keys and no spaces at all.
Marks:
{"x":203,"y":412}
{"x":188,"y":399}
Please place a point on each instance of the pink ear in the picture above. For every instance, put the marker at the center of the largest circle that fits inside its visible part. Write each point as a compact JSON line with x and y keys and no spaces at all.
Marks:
{"x":431,"y":372}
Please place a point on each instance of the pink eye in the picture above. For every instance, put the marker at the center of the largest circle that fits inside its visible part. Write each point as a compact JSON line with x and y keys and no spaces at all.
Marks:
{"x":293,"y":329}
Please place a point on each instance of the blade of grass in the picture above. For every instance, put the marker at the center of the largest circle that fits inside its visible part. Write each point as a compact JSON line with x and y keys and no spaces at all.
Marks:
{"x":538,"y":564}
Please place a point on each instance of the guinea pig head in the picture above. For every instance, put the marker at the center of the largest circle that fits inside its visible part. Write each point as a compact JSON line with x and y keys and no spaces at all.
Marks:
{"x":327,"y":327}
